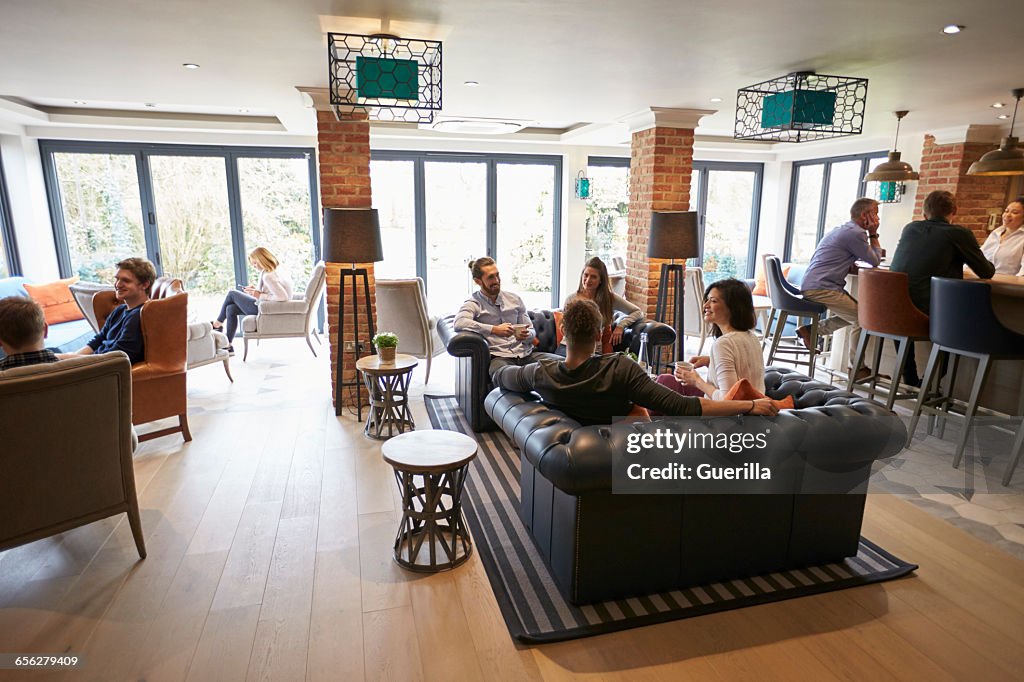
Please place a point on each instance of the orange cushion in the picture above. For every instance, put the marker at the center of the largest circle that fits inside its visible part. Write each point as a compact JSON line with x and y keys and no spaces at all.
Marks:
{"x":761,"y":282}
{"x":56,"y":300}
{"x":744,"y":390}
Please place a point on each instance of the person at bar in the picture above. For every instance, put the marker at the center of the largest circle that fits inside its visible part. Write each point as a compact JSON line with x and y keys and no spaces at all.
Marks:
{"x":825,"y":280}
{"x":1005,"y":246}
{"x":934,"y":247}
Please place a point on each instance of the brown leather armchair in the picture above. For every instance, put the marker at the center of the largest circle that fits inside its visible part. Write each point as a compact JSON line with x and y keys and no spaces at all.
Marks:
{"x":158,"y":382}
{"x":67,"y":448}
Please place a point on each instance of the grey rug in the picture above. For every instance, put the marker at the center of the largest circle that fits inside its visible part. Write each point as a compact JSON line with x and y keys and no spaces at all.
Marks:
{"x":533,"y":608}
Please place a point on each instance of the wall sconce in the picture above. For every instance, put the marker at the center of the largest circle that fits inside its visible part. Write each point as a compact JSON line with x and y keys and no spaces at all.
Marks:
{"x":582,"y":186}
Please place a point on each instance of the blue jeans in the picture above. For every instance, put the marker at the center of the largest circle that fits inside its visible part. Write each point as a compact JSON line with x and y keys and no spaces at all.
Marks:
{"x":236,"y":303}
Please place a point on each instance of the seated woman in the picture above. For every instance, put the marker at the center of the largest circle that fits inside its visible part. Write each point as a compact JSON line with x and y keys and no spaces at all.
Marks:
{"x":1005,"y":245}
{"x":273,"y":285}
{"x":735,"y":354}
{"x":595,"y":286}
{"x":594,"y":389}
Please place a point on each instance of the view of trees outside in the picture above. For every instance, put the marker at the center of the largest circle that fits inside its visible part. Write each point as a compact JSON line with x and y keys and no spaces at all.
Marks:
{"x":727,"y":224}
{"x":456,"y":199}
{"x":190,"y":194}
{"x":99,"y":195}
{"x":607,"y":212}
{"x":526,"y":230}
{"x":276,"y":213}
{"x":805,"y":212}
{"x":394,"y":197}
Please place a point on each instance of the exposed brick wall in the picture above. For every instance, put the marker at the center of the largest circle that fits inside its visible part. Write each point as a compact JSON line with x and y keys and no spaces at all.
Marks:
{"x":944,"y":167}
{"x":343,"y":155}
{"x":660,"y":167}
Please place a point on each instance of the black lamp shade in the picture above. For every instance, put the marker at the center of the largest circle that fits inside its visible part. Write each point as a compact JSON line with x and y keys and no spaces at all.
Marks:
{"x":352,"y":235}
{"x":674,"y":234}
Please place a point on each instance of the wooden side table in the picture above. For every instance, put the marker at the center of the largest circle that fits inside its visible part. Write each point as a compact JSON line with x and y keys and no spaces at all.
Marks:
{"x":388,"y":386}
{"x":430,"y":468}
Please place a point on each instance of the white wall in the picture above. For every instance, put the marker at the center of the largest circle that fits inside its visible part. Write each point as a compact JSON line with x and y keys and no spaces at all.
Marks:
{"x":29,"y":211}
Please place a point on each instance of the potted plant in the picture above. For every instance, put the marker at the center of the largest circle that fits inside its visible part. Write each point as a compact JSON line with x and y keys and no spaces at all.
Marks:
{"x":387,"y":345}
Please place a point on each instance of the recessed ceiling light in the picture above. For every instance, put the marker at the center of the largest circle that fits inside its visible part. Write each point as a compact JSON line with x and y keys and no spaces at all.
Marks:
{"x":189,"y":65}
{"x":998,"y":105}
{"x":78,"y":101}
{"x":243,"y":111}
{"x":150,"y":105}
{"x":716,"y":99}
{"x":952,"y":29}
{"x":1003,"y":116}
{"x":471,"y":84}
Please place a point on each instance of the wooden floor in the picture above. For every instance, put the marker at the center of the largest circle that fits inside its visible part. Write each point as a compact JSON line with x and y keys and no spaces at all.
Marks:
{"x":269,"y":543}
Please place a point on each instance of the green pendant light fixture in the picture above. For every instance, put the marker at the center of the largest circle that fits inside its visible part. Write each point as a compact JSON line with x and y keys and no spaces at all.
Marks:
{"x":1009,"y":158}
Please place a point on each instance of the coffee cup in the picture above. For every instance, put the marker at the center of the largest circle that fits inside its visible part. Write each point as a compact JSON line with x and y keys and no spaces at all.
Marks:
{"x":520,"y":329}
{"x":682,"y":364}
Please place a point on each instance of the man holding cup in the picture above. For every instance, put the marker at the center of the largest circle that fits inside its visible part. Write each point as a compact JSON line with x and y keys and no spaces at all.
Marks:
{"x":500,"y":317}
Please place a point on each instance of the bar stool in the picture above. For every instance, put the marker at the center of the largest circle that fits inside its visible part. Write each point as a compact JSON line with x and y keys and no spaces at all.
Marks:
{"x":884,"y":310}
{"x":984,"y":338}
{"x":786,"y":301}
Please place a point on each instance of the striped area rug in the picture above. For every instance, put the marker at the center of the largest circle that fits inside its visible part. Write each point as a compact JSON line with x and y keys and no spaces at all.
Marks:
{"x":533,"y":608}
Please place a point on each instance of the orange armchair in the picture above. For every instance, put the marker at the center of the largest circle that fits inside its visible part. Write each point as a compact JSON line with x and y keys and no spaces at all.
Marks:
{"x":158,"y":382}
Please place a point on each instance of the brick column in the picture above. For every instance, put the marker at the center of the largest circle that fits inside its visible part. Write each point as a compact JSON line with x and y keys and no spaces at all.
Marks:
{"x":343,"y":155}
{"x":944,"y":167}
{"x":660,"y":167}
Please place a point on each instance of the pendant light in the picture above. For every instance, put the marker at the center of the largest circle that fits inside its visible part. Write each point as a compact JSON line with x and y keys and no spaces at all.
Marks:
{"x":893,"y":170}
{"x":1009,"y":158}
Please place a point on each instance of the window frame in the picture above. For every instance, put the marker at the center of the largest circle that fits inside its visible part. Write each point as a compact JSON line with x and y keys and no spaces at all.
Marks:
{"x":150,"y":221}
{"x":826,"y":179}
{"x":419,"y":158}
{"x":7,"y":234}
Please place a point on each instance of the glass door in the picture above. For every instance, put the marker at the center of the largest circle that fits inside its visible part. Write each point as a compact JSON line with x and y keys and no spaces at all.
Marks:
{"x":728,"y":202}
{"x":525,"y":231}
{"x":456,"y":229}
{"x":191,"y":201}
{"x":394,"y":197}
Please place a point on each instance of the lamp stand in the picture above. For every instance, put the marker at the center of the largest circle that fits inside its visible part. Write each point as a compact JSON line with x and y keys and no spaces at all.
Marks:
{"x":673,"y":271}
{"x":352,"y":274}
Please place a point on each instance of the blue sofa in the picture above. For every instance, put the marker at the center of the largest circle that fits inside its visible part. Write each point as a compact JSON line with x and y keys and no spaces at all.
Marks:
{"x":64,"y":337}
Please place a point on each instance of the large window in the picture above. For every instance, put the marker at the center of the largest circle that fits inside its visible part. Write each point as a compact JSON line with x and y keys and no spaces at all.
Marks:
{"x":8,"y":249}
{"x":607,"y":208}
{"x":821,"y":194}
{"x":194,"y":211}
{"x":728,"y":200}
{"x":438,"y":211}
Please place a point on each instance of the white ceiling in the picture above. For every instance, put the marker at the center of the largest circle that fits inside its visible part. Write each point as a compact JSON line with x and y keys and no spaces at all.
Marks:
{"x":548,"y":61}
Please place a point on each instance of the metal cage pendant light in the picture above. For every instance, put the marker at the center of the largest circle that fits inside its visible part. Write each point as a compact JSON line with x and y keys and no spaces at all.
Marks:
{"x":893,"y":170}
{"x":1009,"y":158}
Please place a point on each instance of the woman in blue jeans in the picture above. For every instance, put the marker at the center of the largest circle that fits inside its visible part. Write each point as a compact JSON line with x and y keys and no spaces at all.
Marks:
{"x":273,"y":285}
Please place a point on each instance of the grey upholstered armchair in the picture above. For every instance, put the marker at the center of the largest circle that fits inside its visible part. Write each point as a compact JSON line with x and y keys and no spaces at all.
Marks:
{"x":402,"y":309}
{"x":68,"y":446}
{"x":287,"y":319}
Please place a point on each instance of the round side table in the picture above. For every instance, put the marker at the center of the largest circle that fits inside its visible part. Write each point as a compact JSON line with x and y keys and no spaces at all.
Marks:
{"x":430,"y":468}
{"x":388,"y":386}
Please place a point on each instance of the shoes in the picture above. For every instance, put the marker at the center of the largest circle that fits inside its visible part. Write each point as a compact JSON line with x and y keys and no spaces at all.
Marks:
{"x":217,"y":325}
{"x":231,"y":351}
{"x":805,"y":336}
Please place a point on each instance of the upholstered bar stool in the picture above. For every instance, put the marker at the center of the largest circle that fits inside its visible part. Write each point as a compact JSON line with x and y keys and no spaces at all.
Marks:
{"x":786,"y":301}
{"x":963,"y":324}
{"x":884,"y":310}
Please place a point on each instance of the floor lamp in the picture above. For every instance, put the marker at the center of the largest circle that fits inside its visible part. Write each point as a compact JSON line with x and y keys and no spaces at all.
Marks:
{"x":674,"y":235}
{"x":352,"y":235}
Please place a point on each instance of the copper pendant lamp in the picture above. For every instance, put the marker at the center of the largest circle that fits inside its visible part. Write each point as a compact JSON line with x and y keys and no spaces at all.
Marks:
{"x":893,"y":170}
{"x":1009,"y":158}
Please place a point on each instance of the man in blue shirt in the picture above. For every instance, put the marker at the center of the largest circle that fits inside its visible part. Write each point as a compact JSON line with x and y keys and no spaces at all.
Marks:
{"x":123,"y":328}
{"x":500,"y":317}
{"x":825,"y":280}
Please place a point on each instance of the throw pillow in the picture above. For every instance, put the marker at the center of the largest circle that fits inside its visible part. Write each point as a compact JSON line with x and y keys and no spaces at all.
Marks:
{"x":56,"y":300}
{"x":744,"y":390}
{"x":761,"y":281}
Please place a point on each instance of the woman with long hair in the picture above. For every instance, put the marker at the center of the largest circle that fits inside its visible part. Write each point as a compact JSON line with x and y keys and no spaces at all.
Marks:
{"x":595,"y":286}
{"x":273,"y":285}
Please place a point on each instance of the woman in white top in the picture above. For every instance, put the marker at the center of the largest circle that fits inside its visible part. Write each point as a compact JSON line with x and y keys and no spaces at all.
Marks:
{"x":1005,"y":246}
{"x":735,"y":351}
{"x":595,"y":286}
{"x":273,"y":285}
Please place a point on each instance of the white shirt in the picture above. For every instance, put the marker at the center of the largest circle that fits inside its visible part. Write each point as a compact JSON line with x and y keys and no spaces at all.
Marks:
{"x":1007,"y":256}
{"x":735,"y":356}
{"x":275,"y":286}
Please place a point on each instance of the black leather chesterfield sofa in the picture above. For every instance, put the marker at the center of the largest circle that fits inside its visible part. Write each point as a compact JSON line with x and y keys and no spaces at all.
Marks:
{"x":602,"y":546}
{"x":472,"y":381}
